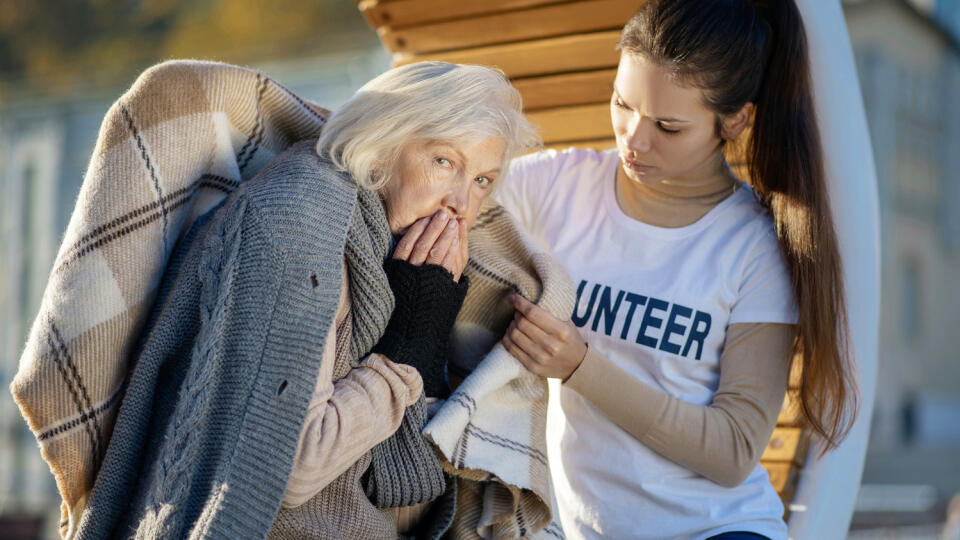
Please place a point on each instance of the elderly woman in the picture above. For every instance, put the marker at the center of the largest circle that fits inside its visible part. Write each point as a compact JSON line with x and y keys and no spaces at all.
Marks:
{"x":280,"y":383}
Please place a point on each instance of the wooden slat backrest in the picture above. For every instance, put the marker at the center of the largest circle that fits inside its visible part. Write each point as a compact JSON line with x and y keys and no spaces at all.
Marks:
{"x":566,"y":89}
{"x":396,"y":14}
{"x":589,"y":144}
{"x":595,"y":50}
{"x":504,"y":27}
{"x":573,"y":122}
{"x":561,"y":55}
{"x":787,"y":450}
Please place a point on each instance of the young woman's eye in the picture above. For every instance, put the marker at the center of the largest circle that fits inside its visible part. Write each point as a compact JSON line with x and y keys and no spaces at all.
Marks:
{"x":483,"y":181}
{"x":619,"y":103}
{"x":667,"y":130}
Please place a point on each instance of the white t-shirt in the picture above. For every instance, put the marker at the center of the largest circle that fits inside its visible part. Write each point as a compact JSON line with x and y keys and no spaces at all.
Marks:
{"x":656,"y":301}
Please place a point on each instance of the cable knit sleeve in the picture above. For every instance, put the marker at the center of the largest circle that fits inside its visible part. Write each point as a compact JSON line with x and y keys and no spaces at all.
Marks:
{"x":347,"y":418}
{"x":722,"y":441}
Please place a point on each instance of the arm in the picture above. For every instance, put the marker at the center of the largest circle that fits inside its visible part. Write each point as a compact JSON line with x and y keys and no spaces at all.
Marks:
{"x":346,"y":418}
{"x":352,"y":416}
{"x":722,"y":441}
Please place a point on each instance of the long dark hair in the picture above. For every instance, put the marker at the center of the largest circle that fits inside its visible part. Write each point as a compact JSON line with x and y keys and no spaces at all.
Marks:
{"x":738,"y":51}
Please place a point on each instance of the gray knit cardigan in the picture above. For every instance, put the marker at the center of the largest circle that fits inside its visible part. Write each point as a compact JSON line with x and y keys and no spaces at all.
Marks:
{"x":205,"y":450}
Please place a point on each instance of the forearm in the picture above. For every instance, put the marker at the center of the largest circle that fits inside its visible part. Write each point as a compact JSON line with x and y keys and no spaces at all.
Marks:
{"x":722,"y":441}
{"x":418,"y":333}
{"x":348,"y":418}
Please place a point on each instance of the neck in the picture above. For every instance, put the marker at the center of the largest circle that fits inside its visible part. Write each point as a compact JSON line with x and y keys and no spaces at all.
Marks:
{"x":680,"y":201}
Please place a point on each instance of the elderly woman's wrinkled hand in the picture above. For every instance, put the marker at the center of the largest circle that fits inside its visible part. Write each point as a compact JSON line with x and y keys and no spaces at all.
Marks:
{"x":439,"y":239}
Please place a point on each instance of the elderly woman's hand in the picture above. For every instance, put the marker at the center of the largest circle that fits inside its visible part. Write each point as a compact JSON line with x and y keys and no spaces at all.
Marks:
{"x":439,"y":239}
{"x":432,"y":251}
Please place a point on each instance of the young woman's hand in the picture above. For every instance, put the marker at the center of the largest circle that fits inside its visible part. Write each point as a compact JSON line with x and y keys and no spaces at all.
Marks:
{"x":439,"y":239}
{"x":544,"y":344}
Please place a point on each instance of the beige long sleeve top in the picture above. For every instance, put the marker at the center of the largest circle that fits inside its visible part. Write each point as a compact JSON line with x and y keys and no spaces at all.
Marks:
{"x":348,"y":417}
{"x":722,"y":441}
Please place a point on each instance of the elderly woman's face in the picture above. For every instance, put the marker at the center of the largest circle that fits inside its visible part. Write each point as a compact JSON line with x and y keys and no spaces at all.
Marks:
{"x":434,"y":175}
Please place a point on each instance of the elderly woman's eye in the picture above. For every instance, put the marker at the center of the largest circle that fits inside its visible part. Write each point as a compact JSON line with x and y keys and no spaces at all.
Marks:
{"x":442,"y":161}
{"x":482,"y":181}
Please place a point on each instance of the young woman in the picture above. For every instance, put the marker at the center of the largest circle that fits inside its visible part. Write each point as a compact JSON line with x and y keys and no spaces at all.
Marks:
{"x":694,"y":289}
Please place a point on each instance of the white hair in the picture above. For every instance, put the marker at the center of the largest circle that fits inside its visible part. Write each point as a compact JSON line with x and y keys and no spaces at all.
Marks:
{"x":435,"y":101}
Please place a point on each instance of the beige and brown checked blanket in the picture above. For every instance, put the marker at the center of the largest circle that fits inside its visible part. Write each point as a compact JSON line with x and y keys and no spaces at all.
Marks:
{"x":185,"y":135}
{"x":491,"y":430}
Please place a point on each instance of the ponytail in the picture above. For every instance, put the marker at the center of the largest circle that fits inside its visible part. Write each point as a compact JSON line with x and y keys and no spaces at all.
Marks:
{"x":785,"y":161}
{"x":739,"y":53}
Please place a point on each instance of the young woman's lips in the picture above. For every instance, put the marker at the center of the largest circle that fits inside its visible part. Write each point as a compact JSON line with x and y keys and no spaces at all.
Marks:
{"x":637,"y":166}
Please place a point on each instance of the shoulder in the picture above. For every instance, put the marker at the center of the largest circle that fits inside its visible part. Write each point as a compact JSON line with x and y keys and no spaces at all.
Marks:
{"x":761,"y":275}
{"x":554,"y":162}
{"x":548,"y":182}
{"x":744,"y":220}
{"x":550,"y":174}
{"x":759,"y":222}
{"x":299,"y":179}
{"x":296,"y":208}
{"x":746,"y":232}
{"x":299,"y":191}
{"x":749,"y":207}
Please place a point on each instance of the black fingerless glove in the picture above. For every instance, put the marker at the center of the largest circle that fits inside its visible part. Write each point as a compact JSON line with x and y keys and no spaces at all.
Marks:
{"x":418,"y":334}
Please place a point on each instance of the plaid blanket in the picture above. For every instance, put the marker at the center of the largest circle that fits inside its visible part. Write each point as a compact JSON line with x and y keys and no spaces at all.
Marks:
{"x":183,"y":137}
{"x":491,"y":430}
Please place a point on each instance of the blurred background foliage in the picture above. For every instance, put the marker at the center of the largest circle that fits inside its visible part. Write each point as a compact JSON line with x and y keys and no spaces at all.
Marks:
{"x":53,"y":48}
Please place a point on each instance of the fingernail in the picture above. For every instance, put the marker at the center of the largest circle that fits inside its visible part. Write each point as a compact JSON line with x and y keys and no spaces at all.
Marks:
{"x":444,"y":215}
{"x":452,"y":225}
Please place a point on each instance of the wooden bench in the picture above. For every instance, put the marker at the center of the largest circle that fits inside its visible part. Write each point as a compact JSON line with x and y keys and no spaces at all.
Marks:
{"x":787,"y":450}
{"x":561,"y":56}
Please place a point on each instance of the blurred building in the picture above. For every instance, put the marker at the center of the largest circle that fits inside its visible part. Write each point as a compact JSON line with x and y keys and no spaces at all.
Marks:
{"x":909,"y":65}
{"x":947,"y":12}
{"x":31,"y":155}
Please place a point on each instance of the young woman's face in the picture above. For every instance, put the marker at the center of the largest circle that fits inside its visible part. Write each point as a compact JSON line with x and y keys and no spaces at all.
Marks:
{"x":664,"y":130}
{"x":431,"y":175}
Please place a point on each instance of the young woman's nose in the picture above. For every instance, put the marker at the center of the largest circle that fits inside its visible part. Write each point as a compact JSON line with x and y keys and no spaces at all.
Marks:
{"x":639,"y":134}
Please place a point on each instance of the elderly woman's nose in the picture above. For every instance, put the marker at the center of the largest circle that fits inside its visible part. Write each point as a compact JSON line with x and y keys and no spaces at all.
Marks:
{"x":458,"y":199}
